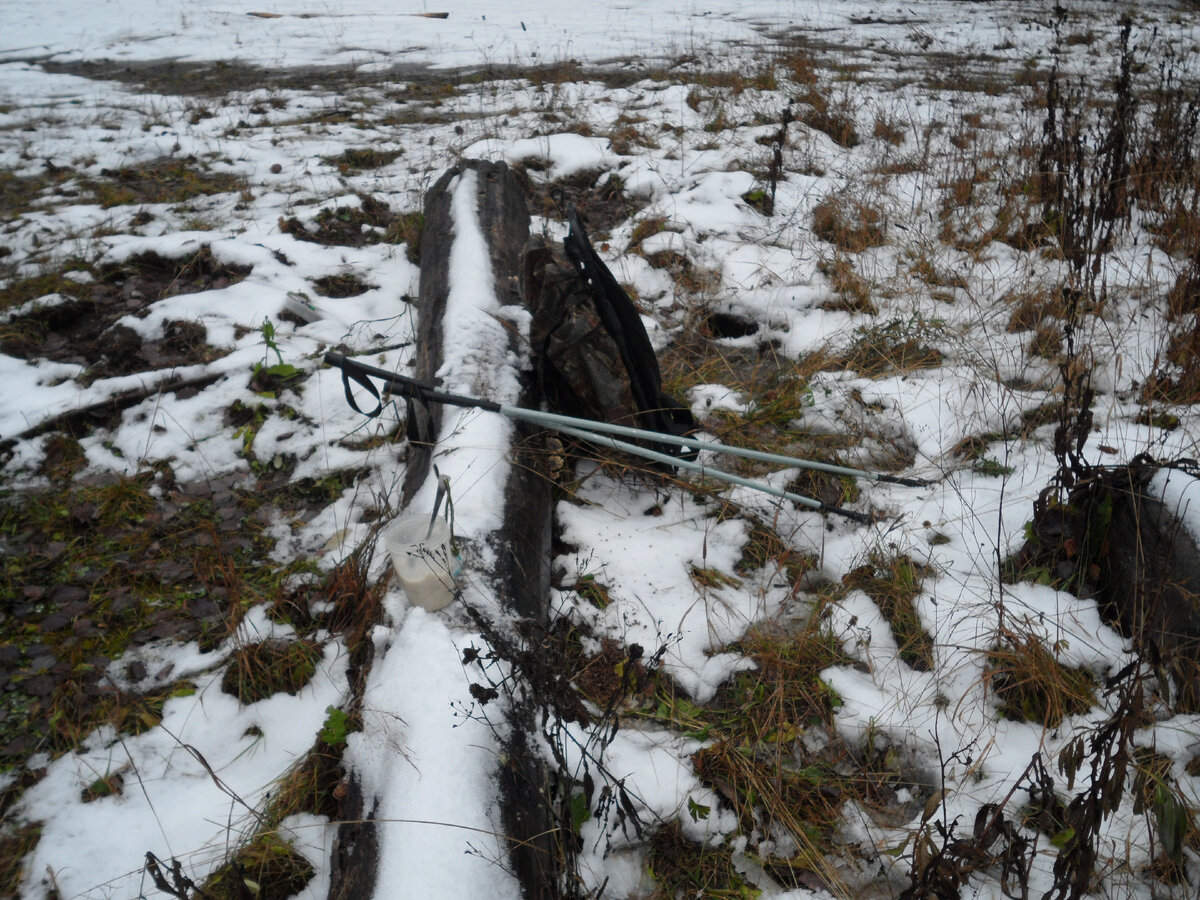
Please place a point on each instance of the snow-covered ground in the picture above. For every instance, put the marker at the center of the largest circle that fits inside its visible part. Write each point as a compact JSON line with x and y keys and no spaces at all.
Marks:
{"x":688,"y":150}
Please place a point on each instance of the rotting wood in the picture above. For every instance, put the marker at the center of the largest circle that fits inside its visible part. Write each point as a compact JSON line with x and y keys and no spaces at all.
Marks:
{"x":1150,"y":581}
{"x":521,"y":575}
{"x":1110,"y":539}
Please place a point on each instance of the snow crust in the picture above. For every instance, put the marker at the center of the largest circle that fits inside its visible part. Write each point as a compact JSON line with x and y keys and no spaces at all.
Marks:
{"x":669,"y":563}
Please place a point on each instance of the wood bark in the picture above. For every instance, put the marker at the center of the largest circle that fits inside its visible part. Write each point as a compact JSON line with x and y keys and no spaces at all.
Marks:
{"x":522,"y":573}
{"x":1150,"y":582}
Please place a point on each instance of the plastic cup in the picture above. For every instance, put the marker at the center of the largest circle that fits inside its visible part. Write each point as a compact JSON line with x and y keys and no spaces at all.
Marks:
{"x":426,"y":566}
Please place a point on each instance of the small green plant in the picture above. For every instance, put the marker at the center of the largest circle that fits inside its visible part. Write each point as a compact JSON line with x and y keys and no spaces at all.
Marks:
{"x":109,"y":786}
{"x":280,"y":370}
{"x":992,"y":468}
{"x":336,"y":727}
{"x":592,"y":591}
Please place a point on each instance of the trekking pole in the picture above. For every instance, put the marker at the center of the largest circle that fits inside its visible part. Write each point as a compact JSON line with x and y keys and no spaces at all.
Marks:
{"x":414,"y":388}
{"x":560,"y":422}
{"x":410,"y":387}
{"x":624,"y":446}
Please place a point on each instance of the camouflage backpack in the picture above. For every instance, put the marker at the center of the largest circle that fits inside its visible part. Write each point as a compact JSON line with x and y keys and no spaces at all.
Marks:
{"x":589,"y":343}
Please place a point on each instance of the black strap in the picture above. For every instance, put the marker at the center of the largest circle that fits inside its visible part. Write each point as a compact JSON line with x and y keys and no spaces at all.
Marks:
{"x":351,"y":372}
{"x":361,"y":374}
{"x":656,"y":411}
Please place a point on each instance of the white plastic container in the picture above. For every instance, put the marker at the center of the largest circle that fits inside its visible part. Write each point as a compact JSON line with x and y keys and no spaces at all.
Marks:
{"x":425,"y":566}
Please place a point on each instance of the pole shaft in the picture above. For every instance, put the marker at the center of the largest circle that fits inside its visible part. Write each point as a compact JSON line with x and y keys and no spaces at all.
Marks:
{"x":616,"y":444}
{"x":554,"y":420}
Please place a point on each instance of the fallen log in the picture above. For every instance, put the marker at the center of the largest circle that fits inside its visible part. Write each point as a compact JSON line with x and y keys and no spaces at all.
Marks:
{"x":514,"y":569}
{"x":1120,"y":535}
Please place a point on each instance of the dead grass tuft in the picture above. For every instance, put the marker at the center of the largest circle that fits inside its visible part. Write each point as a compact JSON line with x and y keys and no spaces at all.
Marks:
{"x":1032,"y":685}
{"x":20,"y":194}
{"x":646,"y":228}
{"x":682,"y":868}
{"x":371,"y":222}
{"x":853,"y":291}
{"x":166,"y":180}
{"x":848,"y":223}
{"x":362,"y":158}
{"x":15,"y":845}
{"x":261,"y":670}
{"x":765,"y":546}
{"x":689,"y":278}
{"x":267,"y":866}
{"x":834,"y":115}
{"x":759,"y":762}
{"x":1047,"y":342}
{"x":894,"y":346}
{"x":894,"y":583}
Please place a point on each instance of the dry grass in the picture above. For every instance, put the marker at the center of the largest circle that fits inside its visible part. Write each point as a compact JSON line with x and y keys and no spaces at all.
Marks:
{"x":895,"y":346}
{"x":260,"y":670}
{"x":267,"y":866}
{"x":166,"y":180}
{"x":679,"y":870}
{"x":689,"y":278}
{"x":853,"y":291}
{"x":646,"y":228}
{"x":835,"y":115}
{"x":363,"y":158}
{"x":15,"y":844}
{"x":765,"y":546}
{"x":1032,"y":685}
{"x":754,"y":761}
{"x":849,"y":223}
{"x":894,"y":583}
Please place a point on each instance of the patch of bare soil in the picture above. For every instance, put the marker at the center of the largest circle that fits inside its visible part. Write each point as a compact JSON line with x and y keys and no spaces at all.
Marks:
{"x":342,"y":285}
{"x":372,"y":222}
{"x":84,"y":330}
{"x":216,"y":79}
{"x":99,"y":566}
{"x":602,"y":202}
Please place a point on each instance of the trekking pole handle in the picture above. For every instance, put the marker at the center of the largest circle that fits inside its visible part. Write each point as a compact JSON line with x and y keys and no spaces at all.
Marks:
{"x":401,"y":384}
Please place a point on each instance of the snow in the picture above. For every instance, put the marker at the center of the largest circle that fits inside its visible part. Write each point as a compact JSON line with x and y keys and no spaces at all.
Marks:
{"x":668,"y":561}
{"x":426,"y":769}
{"x":193,"y":781}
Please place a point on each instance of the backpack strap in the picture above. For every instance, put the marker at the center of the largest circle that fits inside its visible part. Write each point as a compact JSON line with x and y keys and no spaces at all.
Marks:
{"x":656,"y":411}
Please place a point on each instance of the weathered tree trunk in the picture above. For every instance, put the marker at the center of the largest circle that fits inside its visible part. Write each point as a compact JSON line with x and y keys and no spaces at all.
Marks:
{"x":1113,"y":539}
{"x":521,"y":575}
{"x":1150,"y":582}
